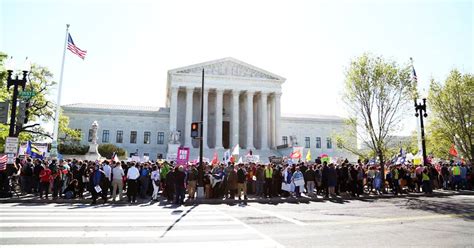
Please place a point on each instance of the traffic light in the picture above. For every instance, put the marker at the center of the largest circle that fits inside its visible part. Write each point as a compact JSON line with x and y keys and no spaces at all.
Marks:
{"x":195,"y":130}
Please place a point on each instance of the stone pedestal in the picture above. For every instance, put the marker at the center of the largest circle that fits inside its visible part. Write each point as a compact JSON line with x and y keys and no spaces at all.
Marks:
{"x":93,"y":153}
{"x":172,"y":152}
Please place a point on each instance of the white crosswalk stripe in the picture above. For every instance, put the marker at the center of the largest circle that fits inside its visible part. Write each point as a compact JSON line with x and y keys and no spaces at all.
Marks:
{"x":72,"y":226}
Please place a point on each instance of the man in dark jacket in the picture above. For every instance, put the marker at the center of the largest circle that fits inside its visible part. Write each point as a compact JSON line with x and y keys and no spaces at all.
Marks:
{"x":325,"y":179}
{"x":98,"y":185}
{"x":180,"y":179}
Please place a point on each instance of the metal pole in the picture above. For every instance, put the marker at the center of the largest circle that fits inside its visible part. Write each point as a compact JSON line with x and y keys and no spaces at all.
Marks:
{"x":60,"y":84}
{"x":423,"y":144}
{"x":201,"y":165}
{"x":13,"y":113}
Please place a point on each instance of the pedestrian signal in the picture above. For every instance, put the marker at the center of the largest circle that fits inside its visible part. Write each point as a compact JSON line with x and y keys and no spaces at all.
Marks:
{"x":195,"y":129}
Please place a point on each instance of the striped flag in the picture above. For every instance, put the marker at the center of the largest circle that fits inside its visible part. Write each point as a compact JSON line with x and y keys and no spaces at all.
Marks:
{"x":74,"y":49}
{"x":3,"y":162}
{"x":415,"y":78}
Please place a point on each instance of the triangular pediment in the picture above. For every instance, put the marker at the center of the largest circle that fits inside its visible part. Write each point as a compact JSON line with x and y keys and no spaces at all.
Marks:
{"x":228,"y":67}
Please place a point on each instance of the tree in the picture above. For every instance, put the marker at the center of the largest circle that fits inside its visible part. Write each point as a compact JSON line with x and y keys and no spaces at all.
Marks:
{"x":452,"y":106}
{"x":376,"y":93}
{"x":40,"y":109}
{"x":107,"y":150}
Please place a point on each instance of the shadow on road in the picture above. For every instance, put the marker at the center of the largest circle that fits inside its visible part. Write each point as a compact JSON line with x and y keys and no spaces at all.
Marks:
{"x":463,"y":208}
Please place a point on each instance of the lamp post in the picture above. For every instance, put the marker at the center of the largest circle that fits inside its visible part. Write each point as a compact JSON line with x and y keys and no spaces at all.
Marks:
{"x":420,"y":111}
{"x":16,"y":82}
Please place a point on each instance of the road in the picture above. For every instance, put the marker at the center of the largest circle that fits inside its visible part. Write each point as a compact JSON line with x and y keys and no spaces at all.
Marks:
{"x":398,"y":222}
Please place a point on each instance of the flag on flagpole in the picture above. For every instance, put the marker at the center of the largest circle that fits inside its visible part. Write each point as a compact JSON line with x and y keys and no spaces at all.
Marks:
{"x":308,"y":156}
{"x":115,"y":157}
{"x":240,"y":161}
{"x":452,"y":151}
{"x":235,"y":150}
{"x":74,"y":49}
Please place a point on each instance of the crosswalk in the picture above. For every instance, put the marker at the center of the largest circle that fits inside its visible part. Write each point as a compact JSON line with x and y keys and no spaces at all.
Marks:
{"x":71,"y":226}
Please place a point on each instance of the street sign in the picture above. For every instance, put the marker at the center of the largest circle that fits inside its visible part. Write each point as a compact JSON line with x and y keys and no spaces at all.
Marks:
{"x":27,"y":94}
{"x":11,"y":145}
{"x":4,"y":112}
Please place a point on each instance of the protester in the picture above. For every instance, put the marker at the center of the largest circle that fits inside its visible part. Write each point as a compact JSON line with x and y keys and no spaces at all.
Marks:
{"x":117,"y":181}
{"x":132,"y":184}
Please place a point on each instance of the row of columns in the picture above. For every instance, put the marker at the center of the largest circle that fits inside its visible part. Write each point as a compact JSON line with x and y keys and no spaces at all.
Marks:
{"x":234,"y":136}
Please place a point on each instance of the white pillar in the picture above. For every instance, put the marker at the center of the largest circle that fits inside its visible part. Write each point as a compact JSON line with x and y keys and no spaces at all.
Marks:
{"x":235,"y":117}
{"x":250,"y":120}
{"x":272,"y":122}
{"x":264,"y":121}
{"x":278,"y":139}
{"x":219,"y":95}
{"x":189,"y":116}
{"x":173,"y":108}
{"x":205,"y":119}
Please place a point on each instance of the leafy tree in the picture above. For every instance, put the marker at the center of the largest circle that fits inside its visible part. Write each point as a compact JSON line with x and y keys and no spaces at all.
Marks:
{"x":452,"y":106}
{"x":40,"y":109}
{"x":107,"y":150}
{"x":376,"y":93}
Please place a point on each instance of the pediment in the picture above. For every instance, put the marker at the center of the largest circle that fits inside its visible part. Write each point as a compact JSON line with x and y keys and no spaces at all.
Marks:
{"x":228,"y":67}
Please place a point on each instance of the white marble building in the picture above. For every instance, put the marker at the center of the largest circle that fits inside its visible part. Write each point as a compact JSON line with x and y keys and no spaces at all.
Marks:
{"x":241,"y":106}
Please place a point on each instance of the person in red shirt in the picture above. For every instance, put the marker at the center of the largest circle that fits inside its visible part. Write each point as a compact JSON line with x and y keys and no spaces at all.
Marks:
{"x":45,"y":178}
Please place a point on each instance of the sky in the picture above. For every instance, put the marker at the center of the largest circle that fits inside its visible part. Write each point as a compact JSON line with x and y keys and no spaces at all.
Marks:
{"x":132,"y":44}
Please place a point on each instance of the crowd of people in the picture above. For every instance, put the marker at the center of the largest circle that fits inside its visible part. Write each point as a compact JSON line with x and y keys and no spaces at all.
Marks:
{"x":120,"y":180}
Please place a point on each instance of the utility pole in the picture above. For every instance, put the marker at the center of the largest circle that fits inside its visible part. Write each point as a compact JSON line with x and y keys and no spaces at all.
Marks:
{"x":421,"y":107}
{"x":201,"y":165}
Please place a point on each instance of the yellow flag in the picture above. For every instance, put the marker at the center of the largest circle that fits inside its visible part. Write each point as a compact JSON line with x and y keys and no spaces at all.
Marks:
{"x":308,"y":156}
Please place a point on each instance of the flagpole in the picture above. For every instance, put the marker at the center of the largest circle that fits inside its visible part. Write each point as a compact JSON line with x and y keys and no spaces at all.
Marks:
{"x":415,"y":96}
{"x":58,"y":102}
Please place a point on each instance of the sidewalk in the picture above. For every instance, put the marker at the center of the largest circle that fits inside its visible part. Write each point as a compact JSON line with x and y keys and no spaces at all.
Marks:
{"x":32,"y":199}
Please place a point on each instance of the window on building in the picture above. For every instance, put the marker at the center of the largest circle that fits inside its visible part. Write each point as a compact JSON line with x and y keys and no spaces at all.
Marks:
{"x":161,"y":138}
{"x":285,"y":140}
{"x":119,"y":137}
{"x":318,"y":142}
{"x":133,"y":137}
{"x":89,"y":138}
{"x":146,"y":138}
{"x":307,"y":142}
{"x":105,"y":136}
{"x":329,"y":143}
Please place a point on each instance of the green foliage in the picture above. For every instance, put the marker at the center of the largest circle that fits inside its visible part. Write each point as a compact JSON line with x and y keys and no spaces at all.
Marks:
{"x":40,"y":110}
{"x":452,"y":117}
{"x":376,"y":93}
{"x":73,"y":149}
{"x":107,"y":150}
{"x":67,"y":135}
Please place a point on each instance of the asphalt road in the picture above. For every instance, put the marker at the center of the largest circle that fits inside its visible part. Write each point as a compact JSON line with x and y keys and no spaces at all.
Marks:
{"x":399,"y":222}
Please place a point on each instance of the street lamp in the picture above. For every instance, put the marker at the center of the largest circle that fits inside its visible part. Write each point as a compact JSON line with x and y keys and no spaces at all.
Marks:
{"x":420,"y":111}
{"x":15,"y":82}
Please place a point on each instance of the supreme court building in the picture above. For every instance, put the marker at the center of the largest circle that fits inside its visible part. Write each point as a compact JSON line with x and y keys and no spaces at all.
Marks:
{"x":242,"y":106}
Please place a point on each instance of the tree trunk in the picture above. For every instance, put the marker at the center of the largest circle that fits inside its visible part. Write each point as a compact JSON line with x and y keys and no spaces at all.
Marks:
{"x":382,"y":169}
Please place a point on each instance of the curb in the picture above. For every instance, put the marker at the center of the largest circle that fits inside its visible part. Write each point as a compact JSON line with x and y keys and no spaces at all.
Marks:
{"x":303,"y":199}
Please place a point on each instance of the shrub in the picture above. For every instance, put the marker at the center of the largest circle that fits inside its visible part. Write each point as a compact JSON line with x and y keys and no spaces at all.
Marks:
{"x":106,"y":150}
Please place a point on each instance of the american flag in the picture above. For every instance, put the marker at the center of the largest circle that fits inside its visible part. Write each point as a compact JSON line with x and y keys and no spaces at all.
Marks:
{"x":74,"y":49}
{"x":3,"y":162}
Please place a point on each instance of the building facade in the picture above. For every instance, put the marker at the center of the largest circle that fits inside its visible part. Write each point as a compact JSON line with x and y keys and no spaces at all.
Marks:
{"x":241,"y":106}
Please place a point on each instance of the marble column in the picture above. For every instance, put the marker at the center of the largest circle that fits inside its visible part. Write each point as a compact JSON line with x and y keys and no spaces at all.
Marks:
{"x":278,"y":138}
{"x":235,"y":117}
{"x":250,"y":130}
{"x":173,"y":108}
{"x":219,"y":106}
{"x":205,"y":119}
{"x":264,"y":121}
{"x":272,"y":122}
{"x":189,"y":116}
